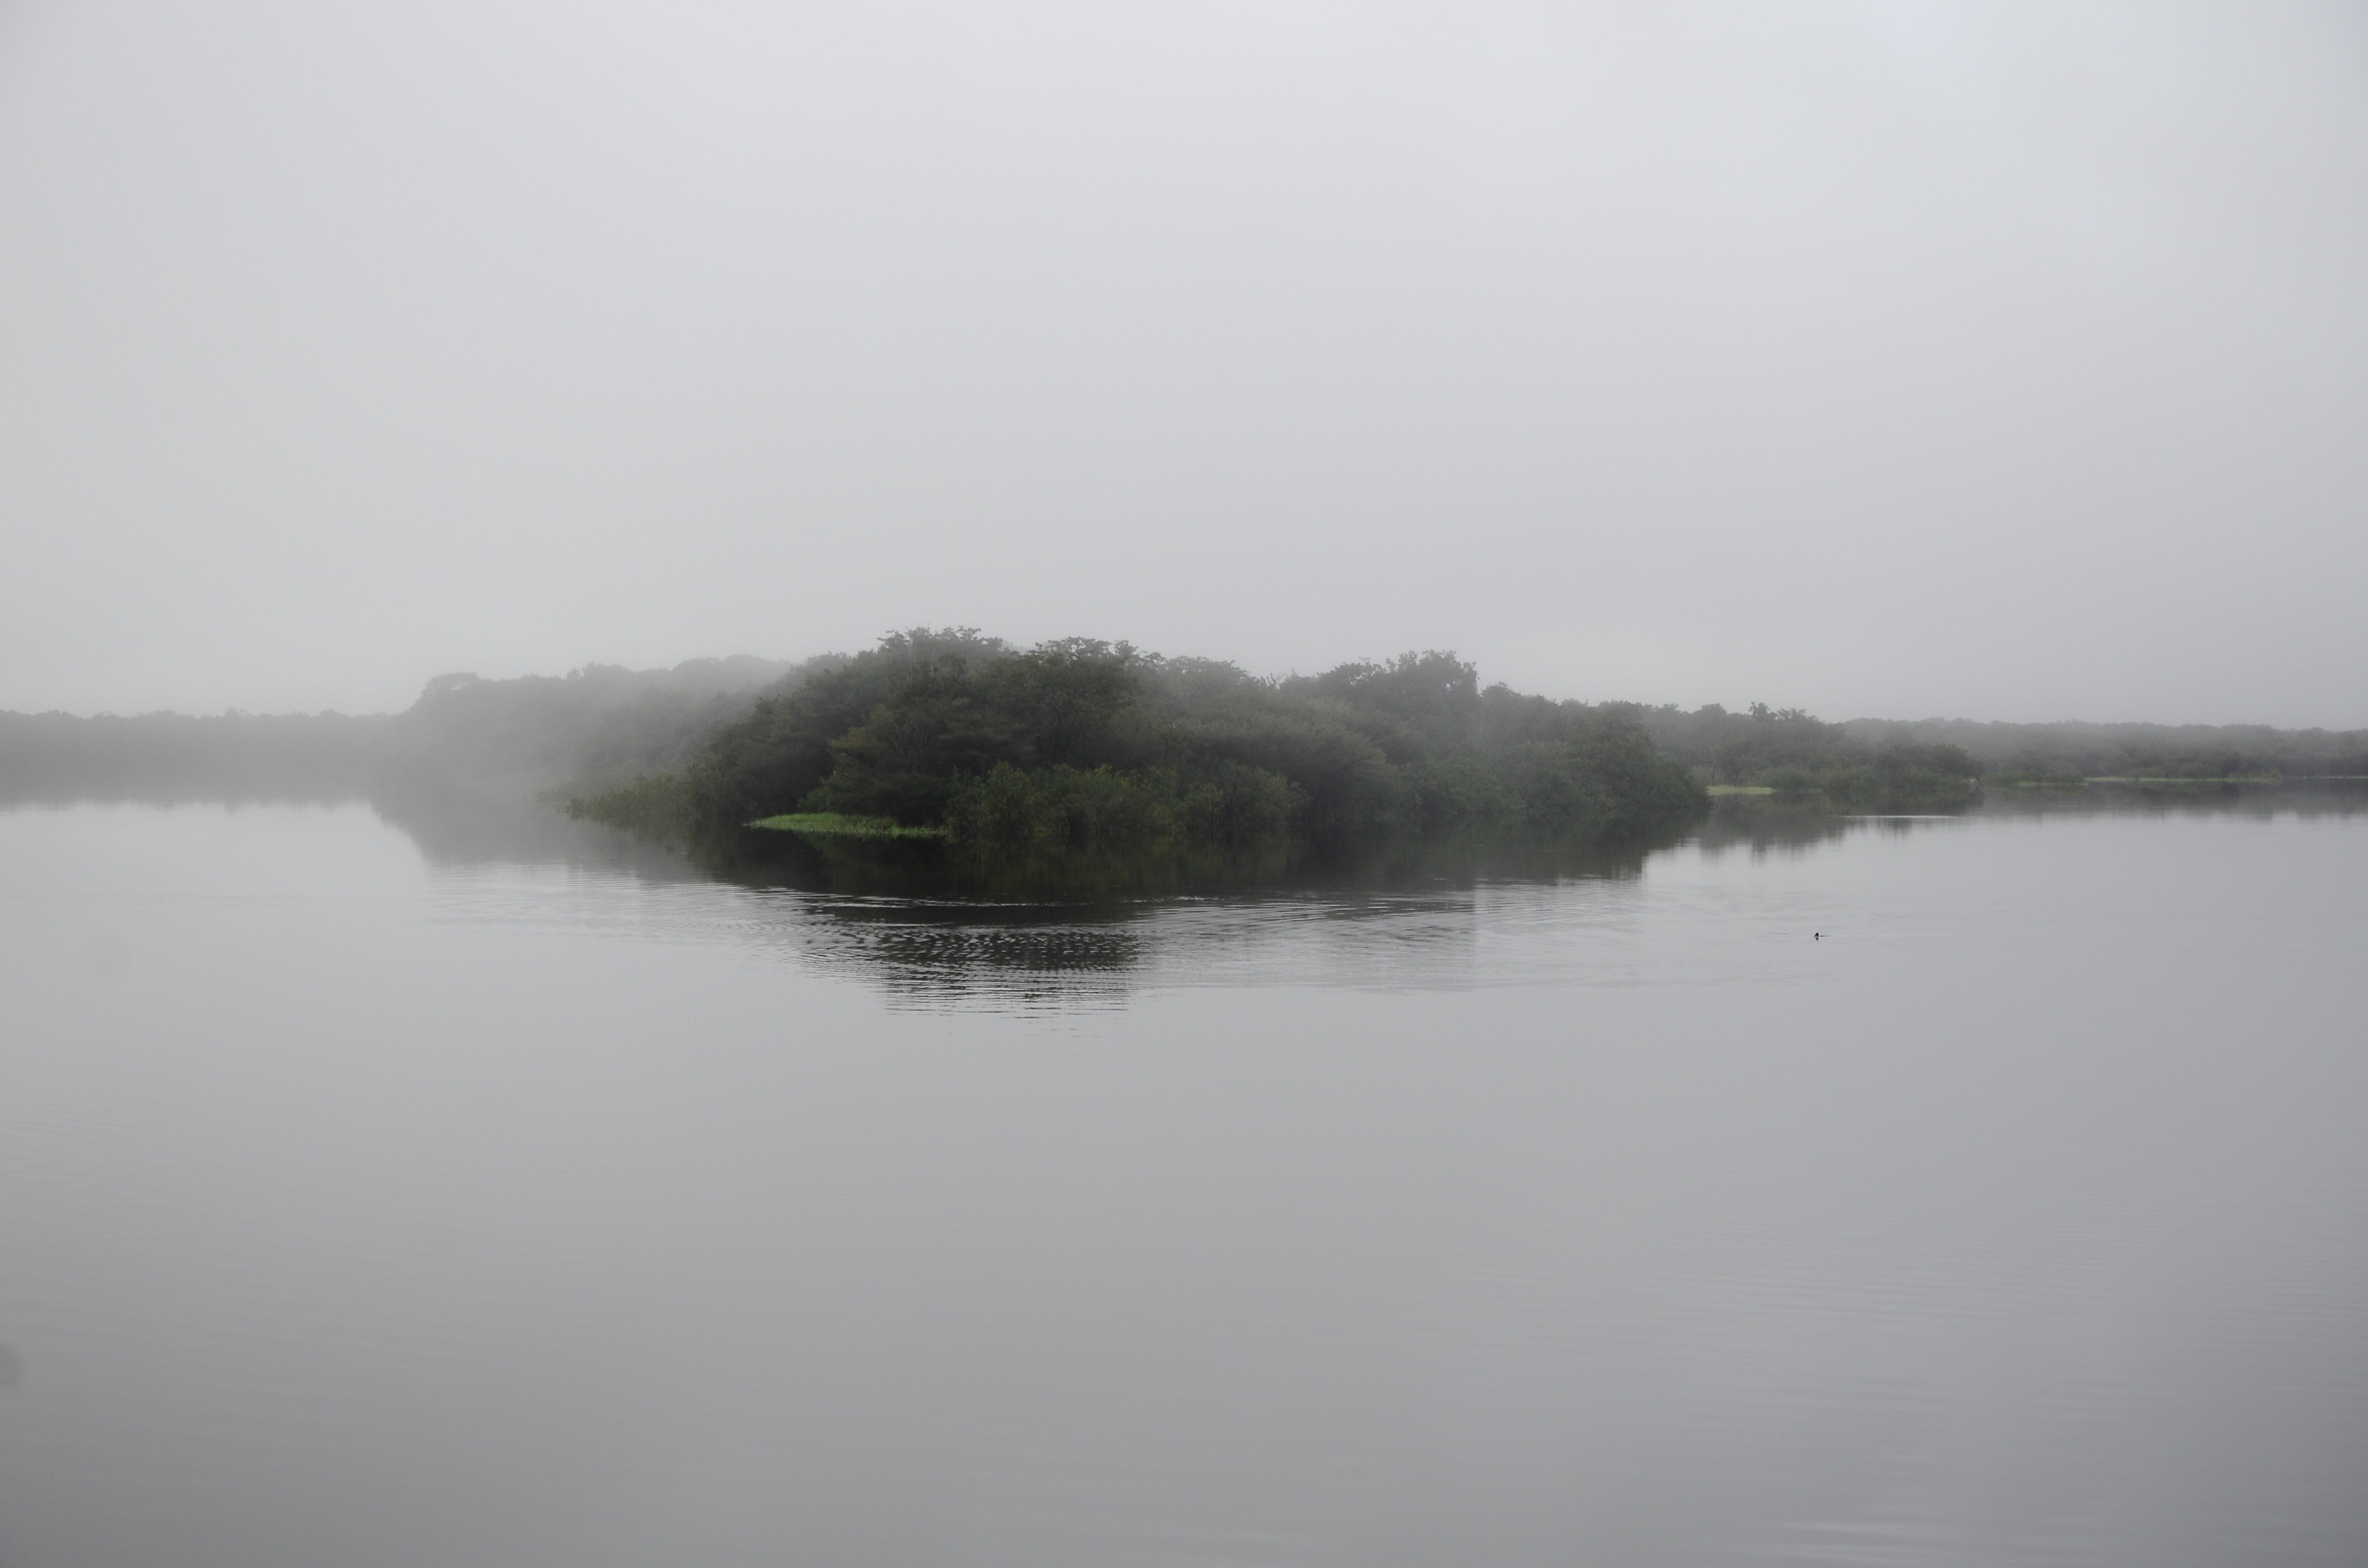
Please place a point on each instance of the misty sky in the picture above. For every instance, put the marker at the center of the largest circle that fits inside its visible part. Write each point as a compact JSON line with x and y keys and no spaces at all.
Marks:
{"x":1966,"y":359}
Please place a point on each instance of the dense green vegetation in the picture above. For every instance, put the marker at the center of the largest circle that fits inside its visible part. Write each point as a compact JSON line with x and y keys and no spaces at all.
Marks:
{"x":836,"y":824}
{"x":2041,"y":752}
{"x":1081,"y":746}
{"x":1867,"y":761}
{"x":1077,"y":749}
{"x":1790,"y":753}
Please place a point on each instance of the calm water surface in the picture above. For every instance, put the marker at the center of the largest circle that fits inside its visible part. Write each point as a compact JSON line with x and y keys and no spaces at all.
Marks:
{"x":378,"y":1193}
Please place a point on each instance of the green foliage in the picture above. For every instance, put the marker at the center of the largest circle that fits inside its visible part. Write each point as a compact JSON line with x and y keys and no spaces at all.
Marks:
{"x":835,"y":824}
{"x":1202,"y":714}
{"x":1632,"y":784}
{"x":1427,"y":699}
{"x":1079,"y":746}
{"x":1232,"y":806}
{"x":778,"y":755}
{"x":1064,"y":808}
{"x":953,"y":716}
{"x":1895,"y":778}
{"x":656,"y":805}
{"x":909,"y":730}
{"x":1906,"y":776}
{"x":1235,"y":806}
{"x":1745,"y":748}
{"x":1802,"y":757}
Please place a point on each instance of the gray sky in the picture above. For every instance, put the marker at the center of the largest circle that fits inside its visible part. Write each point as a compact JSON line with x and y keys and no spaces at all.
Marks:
{"x":1982,"y":360}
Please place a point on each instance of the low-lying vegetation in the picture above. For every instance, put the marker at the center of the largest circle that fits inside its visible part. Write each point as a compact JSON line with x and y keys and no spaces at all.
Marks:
{"x":837,"y":825}
{"x":1751,"y":747}
{"x":1077,"y":748}
{"x":1786,"y":753}
{"x":1086,"y":747}
{"x":593,"y":730}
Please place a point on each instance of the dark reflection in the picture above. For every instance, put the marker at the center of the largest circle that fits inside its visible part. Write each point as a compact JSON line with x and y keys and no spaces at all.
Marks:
{"x":1046,"y":954}
{"x":455,"y":829}
{"x":2306,"y":798}
{"x":927,"y":871}
{"x":1767,"y":823}
{"x":931,"y":926}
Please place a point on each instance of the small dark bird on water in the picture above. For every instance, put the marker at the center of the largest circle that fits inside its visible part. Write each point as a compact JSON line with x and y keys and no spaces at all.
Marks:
{"x":1817,"y":936}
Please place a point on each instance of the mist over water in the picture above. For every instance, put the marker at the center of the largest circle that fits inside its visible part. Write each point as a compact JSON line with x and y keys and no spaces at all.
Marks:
{"x":1334,"y":785}
{"x":377,"y":1195}
{"x":1890,"y":360}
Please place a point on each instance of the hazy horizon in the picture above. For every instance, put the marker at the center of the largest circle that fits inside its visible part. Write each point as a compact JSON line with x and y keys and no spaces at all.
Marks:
{"x":1775,"y":701}
{"x":1884,"y":361}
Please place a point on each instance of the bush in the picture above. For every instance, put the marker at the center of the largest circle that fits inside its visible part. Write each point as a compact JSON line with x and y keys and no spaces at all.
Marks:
{"x":1061,"y":808}
{"x":656,"y":805}
{"x":1241,"y":807}
{"x":1080,"y":744}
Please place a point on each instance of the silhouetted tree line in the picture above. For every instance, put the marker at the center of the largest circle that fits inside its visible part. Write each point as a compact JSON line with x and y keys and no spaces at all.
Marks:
{"x":1796,"y":755}
{"x":602,"y":724}
{"x":1080,"y":741}
{"x":2136,"y":750}
{"x":1872,"y":761}
{"x":1082,"y":745}
{"x":593,"y":727}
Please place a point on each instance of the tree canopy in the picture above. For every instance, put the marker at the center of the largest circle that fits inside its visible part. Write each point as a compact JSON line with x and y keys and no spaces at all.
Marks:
{"x":1079,"y":743}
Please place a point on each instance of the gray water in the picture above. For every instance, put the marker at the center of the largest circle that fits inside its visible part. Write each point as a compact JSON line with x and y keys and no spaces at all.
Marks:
{"x":514,"y":1194}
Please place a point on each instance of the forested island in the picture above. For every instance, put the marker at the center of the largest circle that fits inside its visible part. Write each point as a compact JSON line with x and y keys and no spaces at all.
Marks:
{"x":1081,"y":746}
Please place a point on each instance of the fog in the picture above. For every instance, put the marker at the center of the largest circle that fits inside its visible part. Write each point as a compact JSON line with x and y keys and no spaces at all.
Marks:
{"x":1992,"y":362}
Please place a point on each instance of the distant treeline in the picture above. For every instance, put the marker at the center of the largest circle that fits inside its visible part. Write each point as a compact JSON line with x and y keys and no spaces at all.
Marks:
{"x":1079,"y":744}
{"x":1788,"y":751}
{"x":2135,"y":751}
{"x":597,"y":726}
{"x":1870,"y":760}
{"x":170,"y":757}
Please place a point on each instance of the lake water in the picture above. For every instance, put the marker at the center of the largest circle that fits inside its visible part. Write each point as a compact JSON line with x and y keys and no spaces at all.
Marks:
{"x":506,"y":1193}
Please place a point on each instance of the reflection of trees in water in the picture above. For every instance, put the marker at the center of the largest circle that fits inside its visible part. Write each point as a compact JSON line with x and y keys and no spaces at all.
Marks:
{"x":459,"y":830}
{"x":932,"y":928}
{"x":1761,"y":825}
{"x":926,"y":871}
{"x":1055,"y":954}
{"x":464,"y":829}
{"x":1028,"y":955}
{"x":2306,"y":798}
{"x":1767,"y":824}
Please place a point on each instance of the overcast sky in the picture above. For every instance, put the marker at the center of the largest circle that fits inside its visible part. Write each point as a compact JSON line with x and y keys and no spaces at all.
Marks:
{"x":1896,"y":359}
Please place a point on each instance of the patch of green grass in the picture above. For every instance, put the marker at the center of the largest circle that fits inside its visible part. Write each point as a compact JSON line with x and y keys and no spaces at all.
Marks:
{"x":1740,"y":789}
{"x":836,"y":824}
